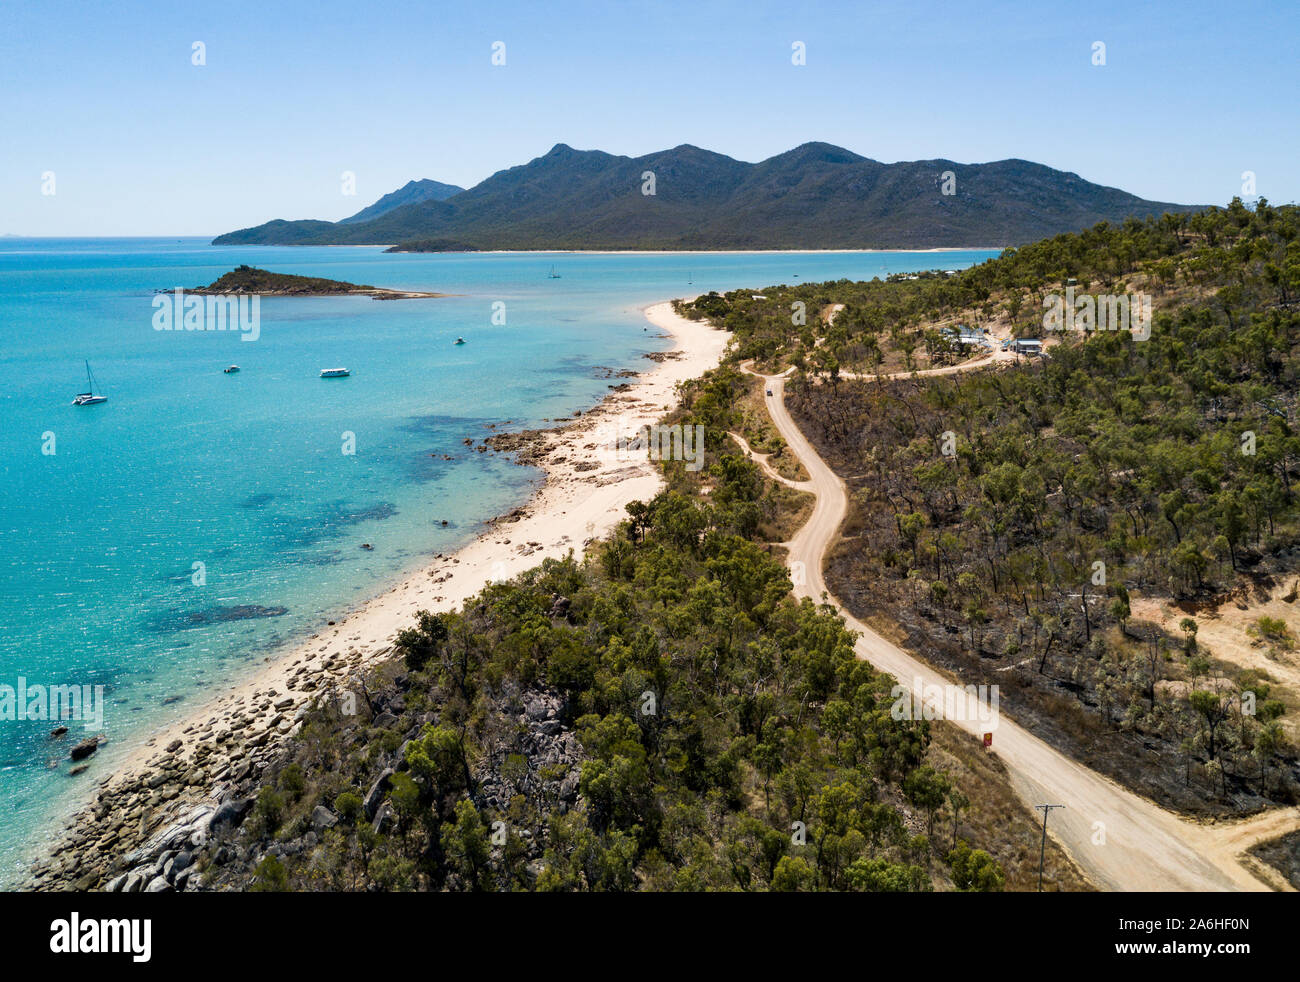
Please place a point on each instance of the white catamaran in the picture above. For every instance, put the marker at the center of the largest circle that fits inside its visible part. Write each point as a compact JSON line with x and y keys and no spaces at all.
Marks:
{"x":89,"y":398}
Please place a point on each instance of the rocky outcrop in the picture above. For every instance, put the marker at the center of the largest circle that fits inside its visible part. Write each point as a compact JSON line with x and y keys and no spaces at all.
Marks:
{"x":154,"y":827}
{"x":184,"y":823}
{"x":85,"y":748}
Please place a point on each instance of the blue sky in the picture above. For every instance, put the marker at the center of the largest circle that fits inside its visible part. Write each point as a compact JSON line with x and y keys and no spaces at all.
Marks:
{"x":293,"y":94}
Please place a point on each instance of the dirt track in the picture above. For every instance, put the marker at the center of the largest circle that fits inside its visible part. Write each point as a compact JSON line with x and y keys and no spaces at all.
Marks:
{"x":1121,"y":840}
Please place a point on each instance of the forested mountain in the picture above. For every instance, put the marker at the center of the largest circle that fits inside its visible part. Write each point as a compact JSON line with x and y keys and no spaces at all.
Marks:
{"x":411,"y":193}
{"x":815,"y":196}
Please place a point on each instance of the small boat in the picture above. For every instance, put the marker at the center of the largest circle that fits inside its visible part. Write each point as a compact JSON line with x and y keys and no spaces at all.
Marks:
{"x":552,"y":275}
{"x":231,"y":370}
{"x":460,"y":341}
{"x":89,"y":398}
{"x":334,"y":373}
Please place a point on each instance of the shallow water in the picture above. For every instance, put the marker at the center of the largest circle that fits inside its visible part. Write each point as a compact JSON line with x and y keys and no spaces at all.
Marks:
{"x":165,"y":542}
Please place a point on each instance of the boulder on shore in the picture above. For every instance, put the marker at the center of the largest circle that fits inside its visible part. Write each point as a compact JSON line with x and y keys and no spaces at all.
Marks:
{"x":230,"y":813}
{"x":84,"y":749}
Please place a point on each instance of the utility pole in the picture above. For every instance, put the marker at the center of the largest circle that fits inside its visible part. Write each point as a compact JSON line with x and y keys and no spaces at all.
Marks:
{"x":1042,"y":849}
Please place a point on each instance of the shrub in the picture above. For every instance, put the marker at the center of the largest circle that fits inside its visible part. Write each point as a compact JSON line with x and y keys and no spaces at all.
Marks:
{"x":270,"y":876}
{"x":269,"y":810}
{"x":348,"y":805}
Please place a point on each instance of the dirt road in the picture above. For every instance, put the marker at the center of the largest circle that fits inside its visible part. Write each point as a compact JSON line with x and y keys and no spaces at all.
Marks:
{"x":1121,"y":840}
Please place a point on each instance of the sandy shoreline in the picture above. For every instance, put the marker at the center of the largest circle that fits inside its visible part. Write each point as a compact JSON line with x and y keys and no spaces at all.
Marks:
{"x":586,"y":488}
{"x":684,"y":252}
{"x":627,"y":252}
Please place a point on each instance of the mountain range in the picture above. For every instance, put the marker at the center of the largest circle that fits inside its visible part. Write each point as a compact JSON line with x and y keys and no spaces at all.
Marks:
{"x":412,"y":193}
{"x":816,"y":196}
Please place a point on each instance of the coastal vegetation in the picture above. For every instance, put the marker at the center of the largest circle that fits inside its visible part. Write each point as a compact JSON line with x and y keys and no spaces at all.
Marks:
{"x":250,"y":279}
{"x":433,"y":245}
{"x":661,"y":715}
{"x":1112,"y":470}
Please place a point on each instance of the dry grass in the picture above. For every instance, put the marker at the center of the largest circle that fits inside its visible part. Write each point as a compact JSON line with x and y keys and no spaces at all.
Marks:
{"x":761,"y":435}
{"x":996,"y":820}
{"x":791,"y":509}
{"x":1229,"y":633}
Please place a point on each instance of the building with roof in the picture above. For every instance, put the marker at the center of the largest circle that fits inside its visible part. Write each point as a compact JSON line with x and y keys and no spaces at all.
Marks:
{"x":1025,"y":346}
{"x":970,"y":336}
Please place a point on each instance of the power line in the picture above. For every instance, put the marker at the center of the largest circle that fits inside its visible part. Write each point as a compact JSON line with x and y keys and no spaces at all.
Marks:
{"x":1042,"y":850}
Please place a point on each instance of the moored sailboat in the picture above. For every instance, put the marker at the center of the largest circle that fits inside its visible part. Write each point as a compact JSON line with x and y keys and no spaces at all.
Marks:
{"x":89,"y":397}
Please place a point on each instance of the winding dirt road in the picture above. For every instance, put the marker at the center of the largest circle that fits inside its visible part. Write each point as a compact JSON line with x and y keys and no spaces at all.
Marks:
{"x":764,"y":462}
{"x":1121,"y":840}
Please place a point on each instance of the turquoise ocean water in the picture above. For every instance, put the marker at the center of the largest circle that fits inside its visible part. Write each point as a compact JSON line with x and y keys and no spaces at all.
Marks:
{"x":245,"y":473}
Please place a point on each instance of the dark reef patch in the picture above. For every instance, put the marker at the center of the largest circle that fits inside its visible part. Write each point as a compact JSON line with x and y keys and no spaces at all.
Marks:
{"x":181,"y":620}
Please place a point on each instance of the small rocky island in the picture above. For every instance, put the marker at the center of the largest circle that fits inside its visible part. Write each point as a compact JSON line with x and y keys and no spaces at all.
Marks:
{"x":249,"y":281}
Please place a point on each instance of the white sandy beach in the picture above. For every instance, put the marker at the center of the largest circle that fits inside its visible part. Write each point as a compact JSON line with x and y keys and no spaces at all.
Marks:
{"x":583,"y":497}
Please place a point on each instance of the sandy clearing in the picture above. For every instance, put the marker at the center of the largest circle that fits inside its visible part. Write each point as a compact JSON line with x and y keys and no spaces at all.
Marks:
{"x":1223,"y":631}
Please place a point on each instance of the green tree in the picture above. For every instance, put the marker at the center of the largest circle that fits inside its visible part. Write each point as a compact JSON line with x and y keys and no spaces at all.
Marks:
{"x":793,"y":875}
{"x":466,"y":845}
{"x":927,"y":789}
{"x":975,"y":870}
{"x":423,"y":643}
{"x":882,"y":876}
